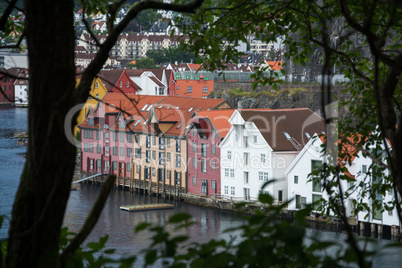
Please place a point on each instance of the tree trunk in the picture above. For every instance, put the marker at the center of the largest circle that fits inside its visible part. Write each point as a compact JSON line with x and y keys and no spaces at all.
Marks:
{"x":42,"y":196}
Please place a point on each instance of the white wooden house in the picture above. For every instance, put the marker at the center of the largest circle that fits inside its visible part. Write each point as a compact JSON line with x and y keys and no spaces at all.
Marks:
{"x":260,"y":146}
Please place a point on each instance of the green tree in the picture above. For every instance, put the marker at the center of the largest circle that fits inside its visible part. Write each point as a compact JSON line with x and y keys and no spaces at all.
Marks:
{"x":146,"y":19}
{"x":145,"y":63}
{"x":360,"y":38}
{"x":43,"y":192}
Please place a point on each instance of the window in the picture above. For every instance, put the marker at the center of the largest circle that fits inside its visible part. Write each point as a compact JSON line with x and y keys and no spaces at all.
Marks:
{"x":85,"y":147}
{"x":194,"y":181}
{"x":121,"y":125}
{"x":167,"y":157}
{"x":129,"y":150}
{"x":315,"y":165}
{"x":128,"y":166}
{"x":153,"y":140}
{"x":194,"y":162}
{"x":91,"y":164}
{"x":106,"y":135}
{"x":255,"y":138}
{"x":316,"y":201}
{"x":98,"y":149}
{"x":91,"y":148}
{"x":107,"y":149}
{"x":262,"y":158}
{"x":364,"y":169}
{"x":129,"y":138}
{"x":85,"y":134}
{"x":121,"y":84}
{"x":232,"y":173}
{"x":114,"y":150}
{"x":114,"y":136}
{"x":161,"y":158}
{"x":128,"y":84}
{"x":213,"y":185}
{"x":178,"y":145}
{"x":203,"y":165}
{"x":177,"y":160}
{"x":194,"y":131}
{"x":204,"y":187}
{"x":203,"y":149}
{"x":194,"y":147}
{"x":137,"y":169}
{"x":245,"y":177}
{"x":280,"y":196}
{"x":147,"y":172}
{"x":153,"y":171}
{"x":121,"y":151}
{"x":148,"y":141}
{"x":213,"y":134}
{"x":114,"y":165}
{"x":153,"y":155}
{"x":147,"y":156}
{"x":98,"y":164}
{"x":161,"y":174}
{"x":137,"y":153}
{"x":168,"y":142}
{"x":226,"y":189}
{"x":91,"y":121}
{"x":213,"y":165}
{"x":296,"y":179}
{"x":263,"y":176}
{"x":189,"y":89}
{"x":245,"y":157}
{"x":137,"y":138}
{"x":232,"y":190}
{"x":226,"y":172}
{"x":97,"y":85}
{"x":177,"y":177}
{"x":213,"y":149}
{"x":168,"y":174}
{"x":229,"y":155}
{"x":161,"y":143}
{"x":121,"y":137}
{"x":205,"y":90}
{"x":298,"y":201}
{"x":90,"y":136}
{"x":98,"y":135}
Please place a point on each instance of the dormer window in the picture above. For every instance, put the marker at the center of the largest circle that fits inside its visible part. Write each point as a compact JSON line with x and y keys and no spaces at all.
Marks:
{"x":121,"y":124}
{"x":121,"y":84}
{"x":128,"y":84}
{"x":91,"y":121}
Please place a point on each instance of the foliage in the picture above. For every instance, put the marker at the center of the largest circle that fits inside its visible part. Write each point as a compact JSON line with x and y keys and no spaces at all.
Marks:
{"x":263,"y":240}
{"x":171,"y":54}
{"x":147,"y":18}
{"x":145,"y":63}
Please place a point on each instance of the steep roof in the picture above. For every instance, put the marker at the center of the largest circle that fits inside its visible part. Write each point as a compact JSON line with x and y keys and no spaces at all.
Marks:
{"x":219,"y":119}
{"x":110,"y":77}
{"x":285,"y":129}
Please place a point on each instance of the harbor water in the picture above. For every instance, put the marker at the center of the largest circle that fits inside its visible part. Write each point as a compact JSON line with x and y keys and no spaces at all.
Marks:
{"x":118,"y":224}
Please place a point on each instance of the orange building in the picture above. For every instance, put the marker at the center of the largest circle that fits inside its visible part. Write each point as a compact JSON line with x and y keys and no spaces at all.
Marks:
{"x":199,"y":88}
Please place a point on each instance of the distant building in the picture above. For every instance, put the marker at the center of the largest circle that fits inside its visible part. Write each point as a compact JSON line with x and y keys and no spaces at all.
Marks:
{"x":198,"y":88}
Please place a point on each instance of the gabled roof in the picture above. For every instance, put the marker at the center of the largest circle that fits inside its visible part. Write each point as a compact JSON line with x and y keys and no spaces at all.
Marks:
{"x":219,"y":119}
{"x":285,"y":129}
{"x":110,"y":78}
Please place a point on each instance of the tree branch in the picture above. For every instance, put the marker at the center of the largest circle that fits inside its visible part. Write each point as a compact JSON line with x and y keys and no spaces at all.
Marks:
{"x":89,"y":223}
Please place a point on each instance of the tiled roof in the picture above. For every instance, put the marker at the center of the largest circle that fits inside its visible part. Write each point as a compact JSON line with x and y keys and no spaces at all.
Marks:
{"x":275,"y":65}
{"x":219,"y":119}
{"x":285,"y":129}
{"x":110,"y":77}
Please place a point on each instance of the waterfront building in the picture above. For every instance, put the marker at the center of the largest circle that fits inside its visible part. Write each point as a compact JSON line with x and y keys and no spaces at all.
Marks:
{"x":152,"y":81}
{"x":7,"y":84}
{"x":207,"y":130}
{"x":160,"y":148}
{"x":129,"y":130}
{"x":260,"y":146}
{"x":21,"y":90}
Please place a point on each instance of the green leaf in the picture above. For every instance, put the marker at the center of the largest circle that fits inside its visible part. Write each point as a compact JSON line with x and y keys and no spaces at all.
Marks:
{"x":141,"y":226}
{"x":150,"y":257}
{"x":179,"y":217}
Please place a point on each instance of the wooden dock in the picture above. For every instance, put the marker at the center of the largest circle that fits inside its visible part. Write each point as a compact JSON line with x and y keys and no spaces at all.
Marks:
{"x":146,"y":207}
